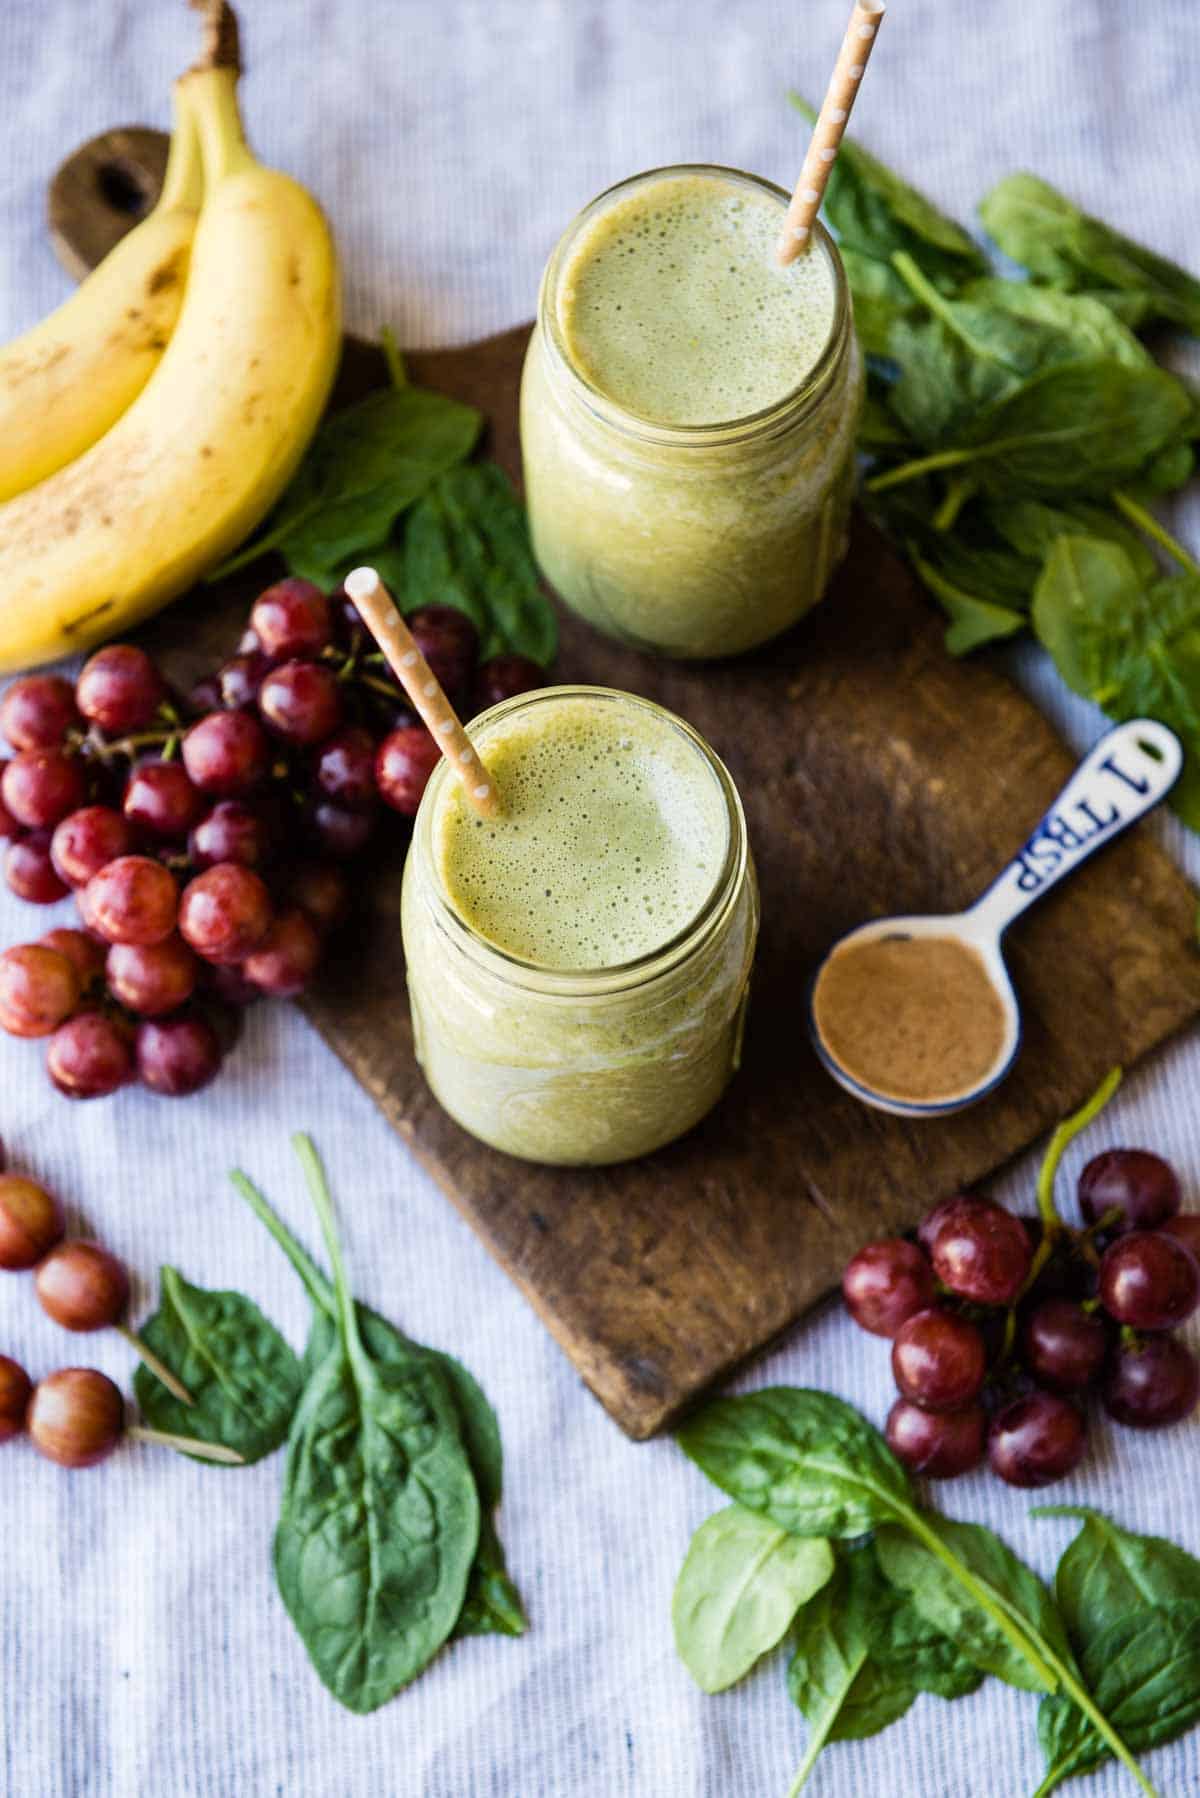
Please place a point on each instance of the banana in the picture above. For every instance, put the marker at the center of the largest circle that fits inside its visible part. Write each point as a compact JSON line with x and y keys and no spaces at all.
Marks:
{"x":214,"y":436}
{"x":63,"y":384}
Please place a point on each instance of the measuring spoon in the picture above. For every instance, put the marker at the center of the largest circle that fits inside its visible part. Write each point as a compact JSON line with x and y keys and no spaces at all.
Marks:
{"x":1123,"y":778}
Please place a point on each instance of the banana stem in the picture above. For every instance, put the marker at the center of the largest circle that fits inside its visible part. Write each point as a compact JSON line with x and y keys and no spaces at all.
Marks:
{"x":223,"y":146}
{"x":183,"y":181}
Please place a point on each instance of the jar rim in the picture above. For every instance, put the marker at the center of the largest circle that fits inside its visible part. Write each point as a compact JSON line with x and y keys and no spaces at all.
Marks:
{"x":791,"y":406}
{"x":620,"y":977}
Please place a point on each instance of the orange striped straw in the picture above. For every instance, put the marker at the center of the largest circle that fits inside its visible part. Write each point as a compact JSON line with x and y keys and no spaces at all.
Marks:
{"x":381,"y":615}
{"x":836,"y":107}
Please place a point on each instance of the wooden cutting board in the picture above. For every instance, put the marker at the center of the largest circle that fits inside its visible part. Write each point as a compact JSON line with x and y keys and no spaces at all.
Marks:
{"x":878,"y":775}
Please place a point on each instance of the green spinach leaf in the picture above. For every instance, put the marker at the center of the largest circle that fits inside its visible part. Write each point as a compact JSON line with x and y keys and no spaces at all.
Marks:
{"x":1144,"y":1674}
{"x":876,"y":213}
{"x":808,"y":1461}
{"x":1033,"y":526}
{"x":380,"y":1517}
{"x":1041,"y":229}
{"x":949,"y":1605}
{"x":1131,"y":648}
{"x":466,"y":544}
{"x":880,"y":297}
{"x":740,"y":1586}
{"x":492,"y":1604}
{"x":1106,"y":1570}
{"x":974,"y":620}
{"x":1075,"y":327}
{"x":242,"y":1375}
{"x":365,"y":465}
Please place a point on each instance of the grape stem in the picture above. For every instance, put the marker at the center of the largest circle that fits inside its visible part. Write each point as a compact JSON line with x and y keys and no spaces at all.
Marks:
{"x":1053,"y":1225}
{"x":158,"y":1368}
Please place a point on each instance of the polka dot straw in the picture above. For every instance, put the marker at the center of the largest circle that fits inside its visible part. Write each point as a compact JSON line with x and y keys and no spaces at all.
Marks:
{"x":840,"y":95}
{"x":380,"y":614}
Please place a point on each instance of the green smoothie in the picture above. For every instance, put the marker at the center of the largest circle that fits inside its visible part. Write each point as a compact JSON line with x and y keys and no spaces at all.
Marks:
{"x":688,"y":413}
{"x":577,"y":966}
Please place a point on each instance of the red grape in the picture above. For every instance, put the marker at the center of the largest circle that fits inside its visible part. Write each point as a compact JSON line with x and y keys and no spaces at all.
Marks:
{"x":1152,"y":1383}
{"x":1187,"y":1228}
{"x":151,"y":978}
{"x":40,"y":786}
{"x":1149,"y":1280}
{"x":291,"y":619}
{"x":503,"y":677}
{"x":339,"y":833}
{"x":933,"y":1220}
{"x":321,"y":892}
{"x":31,"y":1222}
{"x":204,"y":697}
{"x":230,"y":984}
{"x":232,"y":832}
{"x":87,"y":840}
{"x":345,"y":768}
{"x":403,"y":764}
{"x":131,"y":900}
{"x":982,"y":1252}
{"x":885,"y":1283}
{"x":38,"y":989}
{"x":226,"y":754}
{"x":1037,"y":1439}
{"x":301,"y":701}
{"x":940,"y":1444}
{"x":238,"y":681}
{"x":1141,"y":1187}
{"x":82,"y":950}
{"x":90,"y":1056}
{"x":285,"y":960}
{"x":9,"y":826}
{"x":120,"y":689}
{"x":224,"y":912}
{"x":82,"y":1286}
{"x":1065,"y":1345}
{"x":76,"y":1417}
{"x":38,"y":711}
{"x":16,"y":1390}
{"x":938,"y":1360}
{"x":30,"y":873}
{"x":449,"y":642}
{"x":177,"y":1056}
{"x":161,"y":800}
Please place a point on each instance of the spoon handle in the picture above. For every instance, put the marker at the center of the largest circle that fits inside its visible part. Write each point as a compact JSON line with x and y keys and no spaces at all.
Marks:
{"x":1123,"y":778}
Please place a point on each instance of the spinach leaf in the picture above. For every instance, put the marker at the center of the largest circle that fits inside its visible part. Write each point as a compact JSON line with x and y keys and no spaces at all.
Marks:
{"x":974,"y":620}
{"x":1106,"y":1570}
{"x":808,"y":1461}
{"x":1131,"y":648}
{"x":380,"y":1516}
{"x":365,"y":465}
{"x":876,"y":213}
{"x":862,"y":1653}
{"x":879,"y":431}
{"x":1075,"y":327}
{"x":466,"y":544}
{"x":1077,"y":427}
{"x":880,"y":297}
{"x":740,"y":1586}
{"x":492,"y":1604}
{"x":948,"y":1604}
{"x":1041,"y":229}
{"x":1144,"y":1674}
{"x":1033,"y":526}
{"x":242,"y":1375}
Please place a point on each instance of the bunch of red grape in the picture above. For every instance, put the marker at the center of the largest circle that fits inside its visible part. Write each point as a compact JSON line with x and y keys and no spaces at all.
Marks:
{"x":202,"y":837}
{"x":1001,"y":1327}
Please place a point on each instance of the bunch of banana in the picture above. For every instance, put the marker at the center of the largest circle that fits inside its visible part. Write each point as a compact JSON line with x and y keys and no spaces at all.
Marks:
{"x":207,"y":434}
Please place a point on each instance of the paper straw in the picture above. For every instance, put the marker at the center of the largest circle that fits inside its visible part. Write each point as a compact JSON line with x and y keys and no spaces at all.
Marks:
{"x":381,"y":615}
{"x":840,"y":96}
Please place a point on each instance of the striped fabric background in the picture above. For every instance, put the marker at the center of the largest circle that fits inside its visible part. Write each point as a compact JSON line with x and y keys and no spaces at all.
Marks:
{"x":143,"y":1650}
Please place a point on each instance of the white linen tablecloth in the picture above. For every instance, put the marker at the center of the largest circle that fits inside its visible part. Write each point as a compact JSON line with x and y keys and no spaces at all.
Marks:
{"x":144,"y":1652}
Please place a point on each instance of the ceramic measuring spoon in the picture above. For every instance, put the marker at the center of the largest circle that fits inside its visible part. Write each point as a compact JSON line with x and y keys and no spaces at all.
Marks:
{"x":1123,"y":778}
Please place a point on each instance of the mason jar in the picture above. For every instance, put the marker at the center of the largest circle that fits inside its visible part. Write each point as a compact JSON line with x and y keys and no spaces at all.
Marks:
{"x":580,"y":1066}
{"x":695,"y":540}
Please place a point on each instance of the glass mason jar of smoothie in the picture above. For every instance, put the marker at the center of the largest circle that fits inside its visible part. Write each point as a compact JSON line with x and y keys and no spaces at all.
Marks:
{"x":578,"y":967}
{"x":688,"y":413}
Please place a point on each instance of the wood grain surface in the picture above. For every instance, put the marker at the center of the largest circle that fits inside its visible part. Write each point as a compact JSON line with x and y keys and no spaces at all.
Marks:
{"x":878,"y":776}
